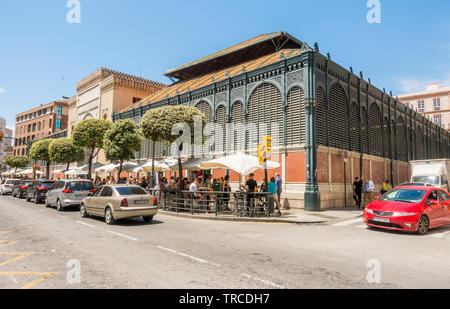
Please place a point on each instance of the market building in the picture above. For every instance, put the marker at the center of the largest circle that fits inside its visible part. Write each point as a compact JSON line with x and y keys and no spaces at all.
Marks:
{"x":327,"y":121}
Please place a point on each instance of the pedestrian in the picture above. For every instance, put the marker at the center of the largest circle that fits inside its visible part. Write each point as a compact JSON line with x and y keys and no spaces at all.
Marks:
{"x":385,"y":187}
{"x":226,"y":189}
{"x":251,"y":187}
{"x":279,"y":183}
{"x":272,"y":189}
{"x":143,"y":183}
{"x":368,"y":191}
{"x":357,"y":191}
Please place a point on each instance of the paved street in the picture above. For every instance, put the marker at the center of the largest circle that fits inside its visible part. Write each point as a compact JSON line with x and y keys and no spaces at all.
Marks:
{"x":37,"y":243}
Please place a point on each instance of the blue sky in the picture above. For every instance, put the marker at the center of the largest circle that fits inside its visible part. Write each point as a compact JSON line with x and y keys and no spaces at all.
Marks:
{"x":38,"y":47}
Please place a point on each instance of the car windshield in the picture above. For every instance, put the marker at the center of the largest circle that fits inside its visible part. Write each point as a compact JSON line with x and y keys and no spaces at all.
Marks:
{"x":404,"y":196}
{"x":14,"y":182}
{"x":80,"y":186}
{"x":434,"y":180}
{"x":47,"y":184}
{"x":131,"y":191}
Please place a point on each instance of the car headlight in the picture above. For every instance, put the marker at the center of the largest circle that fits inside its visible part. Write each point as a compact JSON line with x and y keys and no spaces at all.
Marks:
{"x":369,"y":211}
{"x":403,"y":214}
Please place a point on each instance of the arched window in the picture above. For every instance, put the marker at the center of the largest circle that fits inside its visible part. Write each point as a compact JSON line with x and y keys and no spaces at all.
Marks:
{"x":364,"y":130}
{"x":338,"y":118}
{"x":295,"y":125}
{"x":401,"y":139}
{"x":205,"y":108}
{"x":265,"y":116}
{"x":221,"y":130}
{"x":375,"y":130}
{"x":321,"y":118}
{"x":354,"y":127}
{"x":237,"y":132}
{"x":394,"y":141}
{"x":386,"y":138}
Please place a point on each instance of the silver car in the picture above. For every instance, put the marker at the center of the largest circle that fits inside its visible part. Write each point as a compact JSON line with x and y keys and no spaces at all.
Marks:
{"x":66,"y":193}
{"x":7,"y":186}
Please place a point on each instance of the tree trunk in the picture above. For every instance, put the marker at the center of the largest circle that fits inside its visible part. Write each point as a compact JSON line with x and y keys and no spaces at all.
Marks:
{"x":68,"y":165}
{"x":120,"y":170}
{"x":48,"y":170}
{"x":91,"y":158}
{"x":180,"y":171}
{"x":153,"y":183}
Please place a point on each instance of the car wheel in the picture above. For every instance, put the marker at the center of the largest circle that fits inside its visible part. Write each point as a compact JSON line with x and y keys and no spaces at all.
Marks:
{"x":148,"y":218}
{"x":35,"y":200}
{"x":83,"y":211}
{"x":109,"y":218}
{"x":424,"y":225}
{"x":59,"y":206}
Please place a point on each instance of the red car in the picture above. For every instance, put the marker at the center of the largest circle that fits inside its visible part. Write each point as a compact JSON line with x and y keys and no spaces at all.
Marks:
{"x":410,"y":208}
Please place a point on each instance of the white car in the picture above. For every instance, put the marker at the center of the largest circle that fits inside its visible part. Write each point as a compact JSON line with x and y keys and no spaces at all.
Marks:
{"x":7,"y":186}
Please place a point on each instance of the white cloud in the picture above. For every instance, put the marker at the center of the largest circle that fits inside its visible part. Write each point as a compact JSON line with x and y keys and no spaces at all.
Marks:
{"x":412,"y":84}
{"x":2,"y":90}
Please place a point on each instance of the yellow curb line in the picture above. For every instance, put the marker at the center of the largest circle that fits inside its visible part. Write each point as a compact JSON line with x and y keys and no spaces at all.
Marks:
{"x":7,"y":243}
{"x":45,"y":276}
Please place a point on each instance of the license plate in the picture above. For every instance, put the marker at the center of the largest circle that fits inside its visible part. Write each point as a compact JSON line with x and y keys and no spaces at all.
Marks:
{"x":141,"y":202}
{"x":384,"y":220}
{"x":79,"y":195}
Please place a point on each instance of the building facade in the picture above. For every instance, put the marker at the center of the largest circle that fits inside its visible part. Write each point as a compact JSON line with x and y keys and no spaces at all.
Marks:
{"x":433,"y":103}
{"x":329,"y":124}
{"x":5,"y":145}
{"x":38,"y":123}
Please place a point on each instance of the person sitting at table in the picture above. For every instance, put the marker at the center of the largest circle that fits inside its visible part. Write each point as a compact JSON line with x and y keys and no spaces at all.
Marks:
{"x":193,"y":189}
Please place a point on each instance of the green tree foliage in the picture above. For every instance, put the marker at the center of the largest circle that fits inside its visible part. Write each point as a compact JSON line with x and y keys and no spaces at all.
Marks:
{"x":157,"y":124}
{"x":63,"y":150}
{"x":17,"y":162}
{"x":121,"y":141}
{"x":39,"y":152}
{"x":89,"y":134}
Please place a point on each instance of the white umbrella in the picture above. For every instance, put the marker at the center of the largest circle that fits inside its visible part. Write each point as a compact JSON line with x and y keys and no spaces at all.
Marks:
{"x":147,"y":167}
{"x":39,"y":173}
{"x":105,"y":168}
{"x":94,"y":166}
{"x":114,"y":168}
{"x":193,"y":164}
{"x":57,"y":172}
{"x":240,"y":163}
{"x":75,"y":172}
{"x":25,"y":172}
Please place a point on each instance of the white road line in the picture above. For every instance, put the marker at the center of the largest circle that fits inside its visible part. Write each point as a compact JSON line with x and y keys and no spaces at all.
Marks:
{"x":348,"y":222}
{"x":124,"y":236}
{"x":361,"y":226}
{"x":189,"y":256}
{"x":79,"y":222}
{"x":267,"y":282}
{"x":64,"y":217}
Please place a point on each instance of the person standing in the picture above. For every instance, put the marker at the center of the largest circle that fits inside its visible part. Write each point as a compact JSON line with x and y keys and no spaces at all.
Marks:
{"x":357,"y":191}
{"x":251,"y":186}
{"x":272,"y":188}
{"x":386,"y":187}
{"x":368,"y":191}
{"x":279,"y":183}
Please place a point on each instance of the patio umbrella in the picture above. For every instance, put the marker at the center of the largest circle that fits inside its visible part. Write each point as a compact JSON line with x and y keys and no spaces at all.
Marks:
{"x":193,"y":164}
{"x":114,"y":168}
{"x":75,"y":172}
{"x":147,"y":167}
{"x":25,"y":172}
{"x":105,"y":168}
{"x":240,"y":163}
{"x":57,"y":172}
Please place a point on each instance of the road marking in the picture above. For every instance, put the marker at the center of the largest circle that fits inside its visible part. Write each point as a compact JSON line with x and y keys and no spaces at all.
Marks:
{"x":439,"y":235}
{"x":79,"y":222}
{"x":3,"y":233}
{"x":44,"y":276}
{"x":189,"y":256}
{"x":125,"y":236}
{"x":4,"y":243}
{"x":61,"y":216}
{"x":361,"y":226}
{"x":19,"y":256}
{"x":267,"y":282}
{"x":348,"y":222}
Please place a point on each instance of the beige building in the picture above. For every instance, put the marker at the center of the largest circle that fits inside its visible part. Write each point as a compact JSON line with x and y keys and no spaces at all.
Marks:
{"x":434,"y":103}
{"x":105,"y":91}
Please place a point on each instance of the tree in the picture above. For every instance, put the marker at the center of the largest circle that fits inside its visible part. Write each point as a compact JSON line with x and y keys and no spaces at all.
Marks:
{"x":39,"y":152}
{"x":121,"y":141}
{"x":157,"y":125}
{"x":89,"y":134}
{"x":17,"y":162}
{"x":63,"y":150}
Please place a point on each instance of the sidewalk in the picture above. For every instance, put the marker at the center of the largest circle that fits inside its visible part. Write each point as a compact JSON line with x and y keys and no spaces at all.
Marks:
{"x":289,"y":216}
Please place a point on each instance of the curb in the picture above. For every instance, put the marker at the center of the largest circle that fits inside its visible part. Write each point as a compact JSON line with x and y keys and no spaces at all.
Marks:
{"x":238,"y":219}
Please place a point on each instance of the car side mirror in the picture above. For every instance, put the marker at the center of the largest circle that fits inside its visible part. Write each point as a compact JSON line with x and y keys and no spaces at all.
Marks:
{"x":432,"y":202}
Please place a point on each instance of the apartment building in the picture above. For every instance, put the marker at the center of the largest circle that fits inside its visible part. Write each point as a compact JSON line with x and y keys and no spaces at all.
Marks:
{"x":433,"y":103}
{"x":38,"y":123}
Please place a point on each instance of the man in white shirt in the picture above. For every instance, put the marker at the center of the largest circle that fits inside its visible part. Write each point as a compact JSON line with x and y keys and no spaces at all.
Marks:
{"x":369,"y":187}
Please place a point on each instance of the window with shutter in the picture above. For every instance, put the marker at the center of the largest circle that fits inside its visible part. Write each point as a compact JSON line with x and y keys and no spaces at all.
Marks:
{"x":321,"y":114}
{"x":237,"y":127}
{"x":354,"y":127}
{"x":295,"y":133}
{"x":338,"y":118}
{"x":265,"y":116}
{"x":220,"y":135}
{"x":386,"y":138}
{"x":401,"y":139}
{"x":394,"y":140}
{"x":205,"y":108}
{"x":364,"y":130}
{"x":375,"y":130}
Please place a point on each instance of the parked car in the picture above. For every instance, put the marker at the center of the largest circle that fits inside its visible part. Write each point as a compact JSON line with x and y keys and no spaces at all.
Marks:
{"x":20,"y":189}
{"x":38,"y":190}
{"x":7,"y":186}
{"x":66,"y":193}
{"x":116,"y":202}
{"x":410,"y":208}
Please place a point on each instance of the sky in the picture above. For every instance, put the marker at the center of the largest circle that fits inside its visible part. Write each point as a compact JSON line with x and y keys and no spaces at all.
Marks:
{"x":42,"y":55}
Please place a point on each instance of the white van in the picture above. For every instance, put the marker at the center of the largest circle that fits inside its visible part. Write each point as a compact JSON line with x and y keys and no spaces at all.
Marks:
{"x":434,"y":172}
